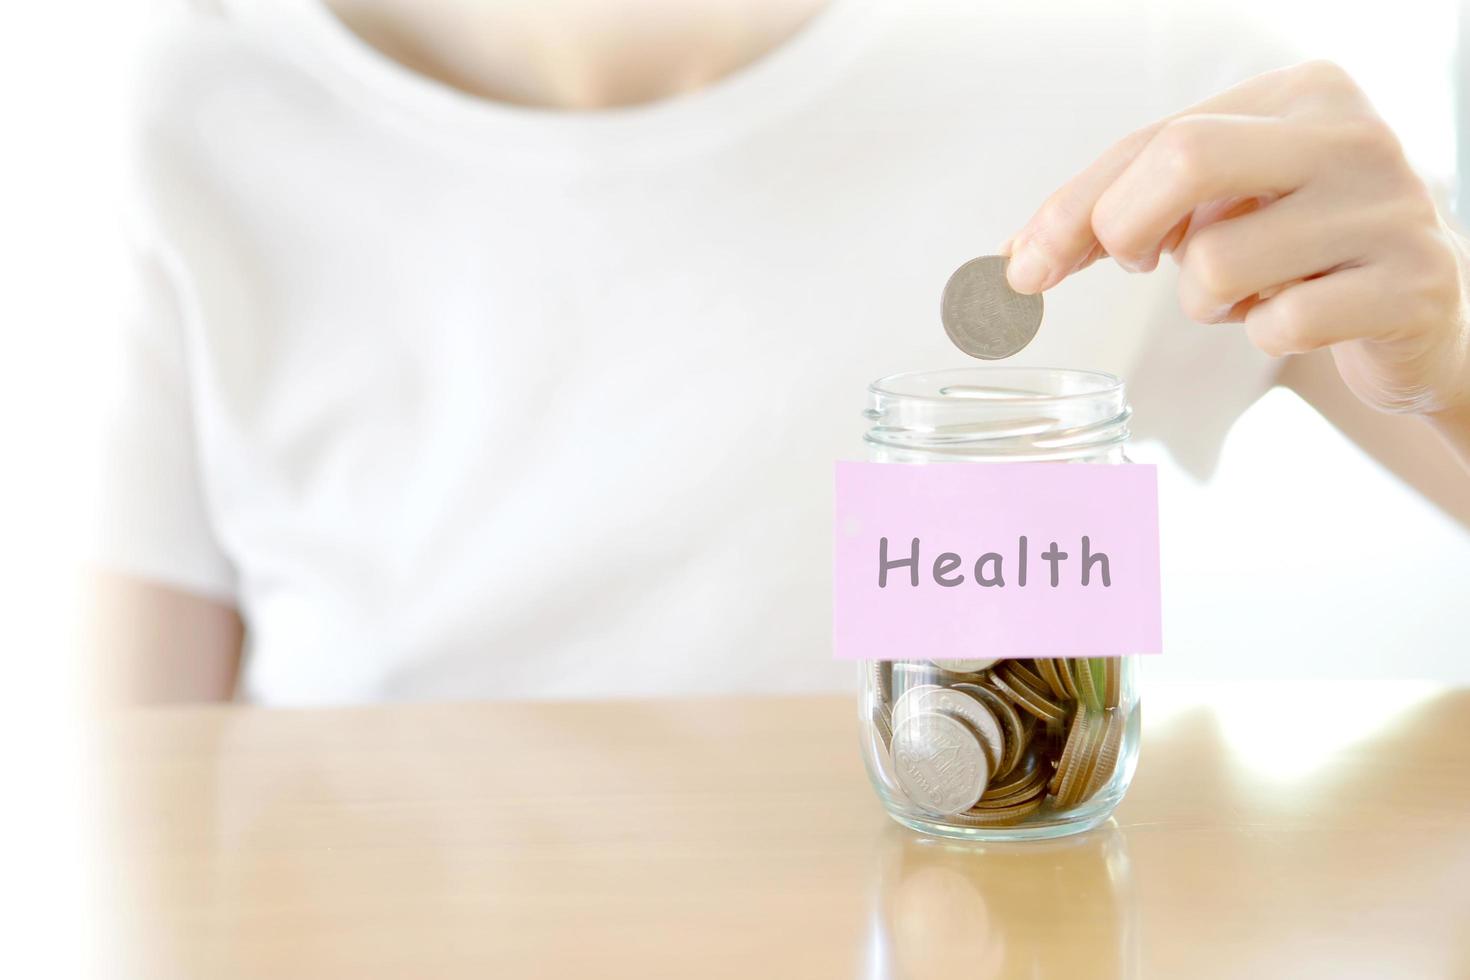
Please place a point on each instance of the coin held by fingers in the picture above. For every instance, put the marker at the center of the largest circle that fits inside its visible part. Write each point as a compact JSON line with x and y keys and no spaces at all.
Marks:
{"x":983,"y":315}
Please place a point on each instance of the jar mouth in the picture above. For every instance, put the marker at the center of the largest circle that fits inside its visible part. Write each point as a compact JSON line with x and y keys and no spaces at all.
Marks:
{"x":999,"y":412}
{"x":1012,"y":385}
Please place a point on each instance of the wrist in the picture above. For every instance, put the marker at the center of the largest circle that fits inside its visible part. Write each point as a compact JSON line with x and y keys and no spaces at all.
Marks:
{"x":1452,"y":418}
{"x":1453,"y":425}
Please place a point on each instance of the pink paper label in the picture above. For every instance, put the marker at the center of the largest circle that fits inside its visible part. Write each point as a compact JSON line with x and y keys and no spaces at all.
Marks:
{"x":962,"y":560}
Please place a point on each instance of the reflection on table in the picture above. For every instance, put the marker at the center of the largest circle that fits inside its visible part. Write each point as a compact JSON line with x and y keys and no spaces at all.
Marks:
{"x":1036,"y":909}
{"x":1290,"y":829}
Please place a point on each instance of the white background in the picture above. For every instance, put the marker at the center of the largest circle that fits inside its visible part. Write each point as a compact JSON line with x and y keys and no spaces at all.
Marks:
{"x":62,"y":64}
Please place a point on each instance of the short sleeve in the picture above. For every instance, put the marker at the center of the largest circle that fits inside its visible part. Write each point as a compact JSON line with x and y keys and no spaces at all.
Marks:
{"x":153,"y":518}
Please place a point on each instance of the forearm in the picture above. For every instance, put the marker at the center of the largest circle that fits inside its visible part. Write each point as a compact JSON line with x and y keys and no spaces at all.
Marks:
{"x":1452,"y":424}
{"x":155,"y":644}
{"x":1402,"y":444}
{"x":1453,"y":427}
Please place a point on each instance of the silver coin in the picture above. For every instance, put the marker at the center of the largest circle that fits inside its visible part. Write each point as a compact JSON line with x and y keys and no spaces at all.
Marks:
{"x":972,"y":712}
{"x":880,"y":678}
{"x":983,"y":315}
{"x":939,"y":763}
{"x":963,"y":666}
{"x":904,"y":706}
{"x":907,"y":673}
{"x":1010,"y":723}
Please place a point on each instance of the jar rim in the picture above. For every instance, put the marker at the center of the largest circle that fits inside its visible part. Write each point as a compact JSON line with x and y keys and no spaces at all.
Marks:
{"x":1105,"y":383}
{"x":985,"y":412}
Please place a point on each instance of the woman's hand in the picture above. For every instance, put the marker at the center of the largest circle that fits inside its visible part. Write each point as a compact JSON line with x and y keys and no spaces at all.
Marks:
{"x":1290,"y":207}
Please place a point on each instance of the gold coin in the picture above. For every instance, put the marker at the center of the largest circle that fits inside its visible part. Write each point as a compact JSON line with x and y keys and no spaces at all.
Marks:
{"x":1036,"y":792}
{"x":1023,"y":774}
{"x":1069,"y":793}
{"x":1034,"y":785}
{"x":1069,"y":682}
{"x":1026,"y":670}
{"x":998,"y":818}
{"x":1112,"y":692}
{"x":1076,"y":738}
{"x":1047,"y":668}
{"x":1107,"y":755}
{"x":1026,"y":697}
{"x":1017,"y":673}
{"x":1028,"y":730}
{"x":1088,"y":689}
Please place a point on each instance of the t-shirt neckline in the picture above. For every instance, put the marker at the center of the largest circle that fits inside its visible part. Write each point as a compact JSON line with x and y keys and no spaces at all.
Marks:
{"x":704,"y":116}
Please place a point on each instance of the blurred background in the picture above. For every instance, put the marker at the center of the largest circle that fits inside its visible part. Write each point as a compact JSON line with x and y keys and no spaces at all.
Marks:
{"x":1286,"y":477}
{"x":66,"y":274}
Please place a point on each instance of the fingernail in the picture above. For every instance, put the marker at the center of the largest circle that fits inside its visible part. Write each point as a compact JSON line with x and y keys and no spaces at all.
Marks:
{"x":1027,"y":271}
{"x":1005,"y":248}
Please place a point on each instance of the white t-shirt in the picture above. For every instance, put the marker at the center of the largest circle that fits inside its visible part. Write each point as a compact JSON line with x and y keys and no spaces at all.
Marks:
{"x":457,"y":399}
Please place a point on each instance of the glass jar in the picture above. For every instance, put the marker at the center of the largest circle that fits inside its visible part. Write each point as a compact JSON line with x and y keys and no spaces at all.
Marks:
{"x":1059,"y":736}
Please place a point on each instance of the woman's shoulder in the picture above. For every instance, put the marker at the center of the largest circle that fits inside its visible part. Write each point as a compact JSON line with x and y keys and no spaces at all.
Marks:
{"x":210,"y":86}
{"x":203,"y":55}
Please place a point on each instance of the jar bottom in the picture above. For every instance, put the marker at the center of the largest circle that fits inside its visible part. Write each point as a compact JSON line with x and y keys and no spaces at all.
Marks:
{"x":1045,"y":824}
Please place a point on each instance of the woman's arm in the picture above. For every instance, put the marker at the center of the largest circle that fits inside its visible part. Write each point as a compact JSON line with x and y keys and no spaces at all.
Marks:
{"x":1291,"y":209}
{"x":155,"y":644}
{"x":1402,"y":444}
{"x":1454,"y":428}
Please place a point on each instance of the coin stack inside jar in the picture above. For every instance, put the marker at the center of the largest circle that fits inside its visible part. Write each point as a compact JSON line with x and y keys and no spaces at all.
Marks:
{"x":987,"y":743}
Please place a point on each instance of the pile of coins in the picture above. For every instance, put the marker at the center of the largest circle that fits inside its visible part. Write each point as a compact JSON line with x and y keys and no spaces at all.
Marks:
{"x":985,"y":743}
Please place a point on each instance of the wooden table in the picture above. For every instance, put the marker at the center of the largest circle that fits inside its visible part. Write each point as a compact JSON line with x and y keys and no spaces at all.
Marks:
{"x":1273,"y":831}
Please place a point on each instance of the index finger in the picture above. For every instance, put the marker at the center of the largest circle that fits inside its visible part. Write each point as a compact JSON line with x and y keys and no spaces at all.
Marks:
{"x":1058,"y":240}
